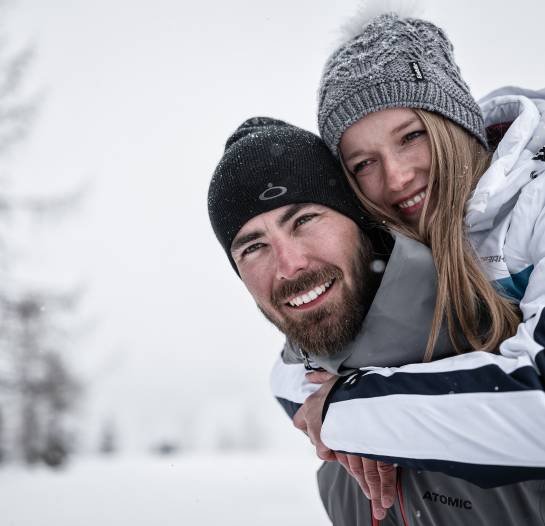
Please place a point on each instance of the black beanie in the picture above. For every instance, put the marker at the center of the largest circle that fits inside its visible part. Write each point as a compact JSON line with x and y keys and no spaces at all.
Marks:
{"x":268,"y":164}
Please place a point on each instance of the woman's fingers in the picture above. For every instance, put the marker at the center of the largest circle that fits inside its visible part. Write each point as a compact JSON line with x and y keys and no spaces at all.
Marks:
{"x":358,"y":472}
{"x":388,"y":480}
{"x":372,"y":477}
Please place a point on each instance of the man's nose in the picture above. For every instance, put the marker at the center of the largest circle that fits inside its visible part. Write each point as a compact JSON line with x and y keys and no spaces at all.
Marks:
{"x":291,"y":258}
{"x":397,"y":174}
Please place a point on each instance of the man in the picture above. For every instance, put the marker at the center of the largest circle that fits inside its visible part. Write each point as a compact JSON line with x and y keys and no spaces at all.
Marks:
{"x":292,"y":228}
{"x":296,"y":235}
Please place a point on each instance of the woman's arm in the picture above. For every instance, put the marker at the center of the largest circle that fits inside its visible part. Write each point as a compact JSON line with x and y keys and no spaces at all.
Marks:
{"x":479,"y":416}
{"x":290,"y":385}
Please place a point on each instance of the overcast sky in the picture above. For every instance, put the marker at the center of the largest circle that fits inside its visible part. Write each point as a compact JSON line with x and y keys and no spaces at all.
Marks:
{"x":138,"y":100}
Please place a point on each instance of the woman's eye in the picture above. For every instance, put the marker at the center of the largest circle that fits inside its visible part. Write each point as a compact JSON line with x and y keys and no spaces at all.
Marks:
{"x":360,"y":167}
{"x":413,"y":135}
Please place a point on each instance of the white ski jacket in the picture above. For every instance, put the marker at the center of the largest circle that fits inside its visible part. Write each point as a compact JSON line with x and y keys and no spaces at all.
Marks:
{"x":479,"y":416}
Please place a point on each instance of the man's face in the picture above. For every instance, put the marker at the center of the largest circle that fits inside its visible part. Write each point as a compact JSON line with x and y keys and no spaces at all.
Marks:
{"x":307,"y":267}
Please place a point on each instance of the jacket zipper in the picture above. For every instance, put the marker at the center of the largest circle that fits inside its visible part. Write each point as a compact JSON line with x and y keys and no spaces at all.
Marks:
{"x":399,"y":489}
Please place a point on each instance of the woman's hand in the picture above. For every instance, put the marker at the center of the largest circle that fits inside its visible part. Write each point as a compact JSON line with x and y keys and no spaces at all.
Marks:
{"x":377,"y":480}
{"x":309,"y":417}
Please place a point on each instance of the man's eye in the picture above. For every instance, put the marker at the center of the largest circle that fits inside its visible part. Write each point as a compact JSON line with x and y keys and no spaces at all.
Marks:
{"x":413,"y":135}
{"x":251,"y":249}
{"x":301,"y":220}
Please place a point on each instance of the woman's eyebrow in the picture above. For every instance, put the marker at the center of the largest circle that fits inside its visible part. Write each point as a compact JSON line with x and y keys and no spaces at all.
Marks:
{"x":400,"y":127}
{"x":355,"y":153}
{"x":404,"y":125}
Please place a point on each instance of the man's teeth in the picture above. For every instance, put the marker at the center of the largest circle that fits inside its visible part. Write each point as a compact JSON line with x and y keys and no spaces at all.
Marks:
{"x":311,"y":295}
{"x":413,"y":200}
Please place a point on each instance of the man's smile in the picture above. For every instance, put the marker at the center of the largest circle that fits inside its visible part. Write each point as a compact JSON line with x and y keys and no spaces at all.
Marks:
{"x":310,"y":297}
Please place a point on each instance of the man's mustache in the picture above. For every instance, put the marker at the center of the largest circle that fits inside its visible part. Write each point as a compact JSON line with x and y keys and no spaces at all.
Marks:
{"x":313,"y":278}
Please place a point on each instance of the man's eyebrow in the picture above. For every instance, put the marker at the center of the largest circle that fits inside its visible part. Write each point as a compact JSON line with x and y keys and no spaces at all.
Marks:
{"x":256,"y":234}
{"x":246,"y":238}
{"x":290,"y":212}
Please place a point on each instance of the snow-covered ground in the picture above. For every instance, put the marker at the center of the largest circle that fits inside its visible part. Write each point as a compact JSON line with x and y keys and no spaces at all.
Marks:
{"x":262,"y":489}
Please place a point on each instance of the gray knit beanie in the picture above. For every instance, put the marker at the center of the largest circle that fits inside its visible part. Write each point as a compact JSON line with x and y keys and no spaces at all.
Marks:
{"x":394,"y":62}
{"x":268,"y":164}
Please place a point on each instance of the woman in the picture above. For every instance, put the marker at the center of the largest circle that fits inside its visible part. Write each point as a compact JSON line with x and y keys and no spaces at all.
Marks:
{"x":407,"y":66}
{"x":413,"y":142}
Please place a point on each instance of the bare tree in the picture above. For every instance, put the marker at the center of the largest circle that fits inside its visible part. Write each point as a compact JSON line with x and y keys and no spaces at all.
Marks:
{"x":38,"y":391}
{"x":42,"y":387}
{"x":16,"y":112}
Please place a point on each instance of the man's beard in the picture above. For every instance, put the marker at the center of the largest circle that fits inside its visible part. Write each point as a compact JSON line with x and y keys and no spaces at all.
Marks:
{"x":325,"y":330}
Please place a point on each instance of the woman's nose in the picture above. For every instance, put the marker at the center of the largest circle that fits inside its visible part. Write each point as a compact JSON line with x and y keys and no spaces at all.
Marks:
{"x":397,"y":174}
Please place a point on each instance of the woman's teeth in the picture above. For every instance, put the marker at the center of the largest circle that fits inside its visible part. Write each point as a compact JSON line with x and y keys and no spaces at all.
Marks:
{"x":310,"y":295}
{"x":413,"y":200}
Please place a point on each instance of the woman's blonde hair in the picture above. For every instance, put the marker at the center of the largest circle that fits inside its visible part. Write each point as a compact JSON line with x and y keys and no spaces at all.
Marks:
{"x":465,"y":297}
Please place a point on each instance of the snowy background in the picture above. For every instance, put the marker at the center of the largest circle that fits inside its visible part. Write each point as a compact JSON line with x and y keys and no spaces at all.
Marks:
{"x":136,"y":101}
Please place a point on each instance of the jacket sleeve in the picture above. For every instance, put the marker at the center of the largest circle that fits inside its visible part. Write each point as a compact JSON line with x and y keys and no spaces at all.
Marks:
{"x":290,"y":386}
{"x":479,"y":416}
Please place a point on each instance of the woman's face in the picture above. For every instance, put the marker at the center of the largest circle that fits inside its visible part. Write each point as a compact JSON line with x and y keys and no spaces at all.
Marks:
{"x":388,"y":154}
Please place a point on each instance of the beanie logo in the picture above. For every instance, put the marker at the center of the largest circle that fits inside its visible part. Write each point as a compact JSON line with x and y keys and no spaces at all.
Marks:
{"x":417,"y":71}
{"x":272,"y":192}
